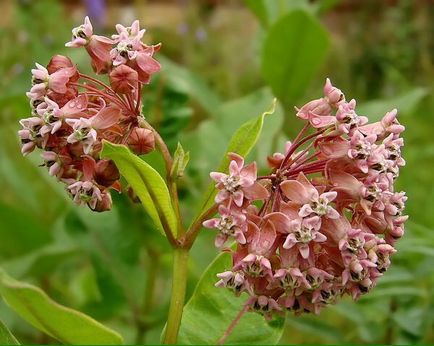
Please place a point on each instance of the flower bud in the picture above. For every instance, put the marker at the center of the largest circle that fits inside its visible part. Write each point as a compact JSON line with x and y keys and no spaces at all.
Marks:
{"x":57,"y":62}
{"x":141,"y":141}
{"x":106,"y":173}
{"x":105,"y":203}
{"x":332,"y":94}
{"x":123,"y":79}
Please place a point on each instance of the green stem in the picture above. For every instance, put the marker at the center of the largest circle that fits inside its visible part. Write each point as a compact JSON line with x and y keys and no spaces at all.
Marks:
{"x":179,"y":284}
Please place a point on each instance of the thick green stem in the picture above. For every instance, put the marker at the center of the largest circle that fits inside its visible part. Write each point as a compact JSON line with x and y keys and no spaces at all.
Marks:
{"x":179,"y":283}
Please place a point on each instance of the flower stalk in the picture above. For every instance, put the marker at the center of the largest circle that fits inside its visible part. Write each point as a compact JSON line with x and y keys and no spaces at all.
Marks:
{"x":179,"y":285}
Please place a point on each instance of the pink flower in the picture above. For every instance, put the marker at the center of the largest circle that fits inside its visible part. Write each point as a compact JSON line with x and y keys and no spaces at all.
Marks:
{"x":393,"y":147}
{"x":265,"y":305}
{"x":320,"y":205}
{"x":72,"y":113}
{"x":255,"y":266}
{"x":389,"y":124}
{"x":81,"y":35}
{"x":53,"y":163}
{"x":42,"y":80}
{"x":85,"y":192}
{"x":328,"y":225}
{"x":136,"y":56}
{"x":333,"y":95}
{"x":235,"y":281}
{"x":302,"y":233}
{"x":317,"y":278}
{"x":347,"y":119}
{"x":30,"y":133}
{"x":361,"y":149}
{"x":357,"y":271}
{"x":290,"y":279}
{"x":130,"y":32}
{"x":229,"y":224}
{"x":50,"y":116}
{"x":27,"y":141}
{"x":83,"y":132}
{"x":302,"y":192}
{"x":131,"y":51}
{"x":85,"y":129}
{"x":318,"y":112}
{"x":353,"y":245}
{"x":239,"y":184}
{"x":98,"y":47}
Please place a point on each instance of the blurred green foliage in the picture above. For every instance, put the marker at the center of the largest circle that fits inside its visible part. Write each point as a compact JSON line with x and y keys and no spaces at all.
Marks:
{"x":114,"y":266}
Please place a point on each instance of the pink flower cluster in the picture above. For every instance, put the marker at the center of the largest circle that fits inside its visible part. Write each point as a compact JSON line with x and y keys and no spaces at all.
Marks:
{"x":72,"y":112}
{"x":328,"y":215}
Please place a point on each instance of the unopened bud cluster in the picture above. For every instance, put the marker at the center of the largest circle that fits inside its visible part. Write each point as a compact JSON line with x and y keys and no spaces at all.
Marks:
{"x":328,"y":214}
{"x":72,"y":113}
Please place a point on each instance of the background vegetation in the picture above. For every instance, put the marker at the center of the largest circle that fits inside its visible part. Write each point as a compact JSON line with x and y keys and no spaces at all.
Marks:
{"x":222,"y":63}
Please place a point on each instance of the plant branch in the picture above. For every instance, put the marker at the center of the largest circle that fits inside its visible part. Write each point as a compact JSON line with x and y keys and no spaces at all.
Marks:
{"x":196,"y":226}
{"x":296,"y":145}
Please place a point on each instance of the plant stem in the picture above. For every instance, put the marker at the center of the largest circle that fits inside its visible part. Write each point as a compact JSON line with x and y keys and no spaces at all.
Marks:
{"x":179,"y":284}
{"x":171,"y":183}
{"x":148,"y":295}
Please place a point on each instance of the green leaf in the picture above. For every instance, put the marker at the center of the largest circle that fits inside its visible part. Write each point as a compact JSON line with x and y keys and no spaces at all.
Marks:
{"x":20,"y":231}
{"x":190,"y":83}
{"x":268,"y":11}
{"x":259,"y":9}
{"x":315,"y":326}
{"x":398,"y":291}
{"x":210,"y":311}
{"x":405,"y":103}
{"x":146,"y":183}
{"x":62,"y":323}
{"x":180,"y":161}
{"x":242,"y":141}
{"x":6,"y":337}
{"x":294,"y":49}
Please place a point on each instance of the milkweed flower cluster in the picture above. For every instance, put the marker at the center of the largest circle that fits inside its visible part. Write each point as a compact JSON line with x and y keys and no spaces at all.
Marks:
{"x":72,"y":112}
{"x":328,"y":215}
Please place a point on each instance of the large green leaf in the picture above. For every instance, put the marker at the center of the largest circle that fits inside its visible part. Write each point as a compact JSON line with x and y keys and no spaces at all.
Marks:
{"x":242,"y":141}
{"x":260,"y":10}
{"x":268,"y":11}
{"x":294,"y":49}
{"x":20,"y":231}
{"x":62,"y":323}
{"x":405,"y":103}
{"x":189,"y":83}
{"x":147,"y":184}
{"x":210,"y":311}
{"x":6,"y":337}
